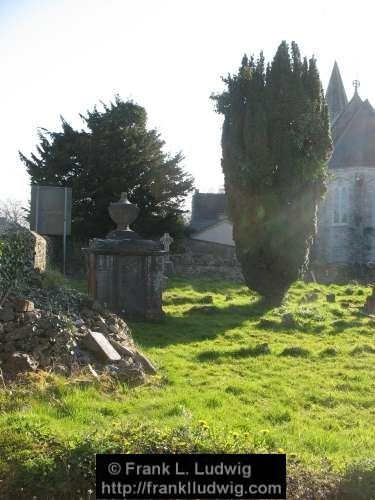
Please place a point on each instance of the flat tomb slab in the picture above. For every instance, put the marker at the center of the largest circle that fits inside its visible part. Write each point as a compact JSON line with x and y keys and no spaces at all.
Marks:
{"x":97,"y":343}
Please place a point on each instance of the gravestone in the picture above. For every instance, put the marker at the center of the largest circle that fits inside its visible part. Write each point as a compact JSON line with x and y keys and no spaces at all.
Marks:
{"x":125,"y":271}
{"x":166,"y":241}
{"x":369,"y":307}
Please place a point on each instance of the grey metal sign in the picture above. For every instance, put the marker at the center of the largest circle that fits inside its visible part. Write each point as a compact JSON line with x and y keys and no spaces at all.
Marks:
{"x":51,"y":210}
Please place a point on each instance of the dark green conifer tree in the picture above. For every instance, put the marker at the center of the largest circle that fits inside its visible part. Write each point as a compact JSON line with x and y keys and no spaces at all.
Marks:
{"x":275,"y":145}
{"x":114,"y":153}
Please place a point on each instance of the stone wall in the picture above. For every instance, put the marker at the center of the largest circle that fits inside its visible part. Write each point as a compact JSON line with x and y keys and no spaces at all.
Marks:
{"x":342,"y":274}
{"x":41,"y":247}
{"x":352,"y":242}
{"x":194,"y":258}
{"x":345,"y":251}
{"x":37,"y":244}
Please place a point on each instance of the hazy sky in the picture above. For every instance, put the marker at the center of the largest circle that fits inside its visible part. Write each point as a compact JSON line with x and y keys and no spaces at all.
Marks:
{"x":60,"y":57}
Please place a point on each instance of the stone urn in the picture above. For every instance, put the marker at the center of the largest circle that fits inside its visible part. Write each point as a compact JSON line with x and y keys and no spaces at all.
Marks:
{"x":123,"y":212}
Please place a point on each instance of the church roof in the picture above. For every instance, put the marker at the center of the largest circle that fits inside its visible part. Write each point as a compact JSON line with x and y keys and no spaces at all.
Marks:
{"x":345,"y":117}
{"x":352,"y":125}
{"x":335,"y":95}
{"x":355,"y":146}
{"x":207,"y":209}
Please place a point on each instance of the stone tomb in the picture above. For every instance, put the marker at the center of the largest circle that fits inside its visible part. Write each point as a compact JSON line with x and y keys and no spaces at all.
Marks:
{"x":125,"y":271}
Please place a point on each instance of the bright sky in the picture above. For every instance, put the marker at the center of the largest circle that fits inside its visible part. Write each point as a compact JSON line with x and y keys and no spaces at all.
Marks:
{"x":60,"y":57}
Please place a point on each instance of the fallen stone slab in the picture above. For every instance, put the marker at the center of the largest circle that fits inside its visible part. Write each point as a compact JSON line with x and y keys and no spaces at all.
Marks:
{"x":125,"y":351}
{"x":100,"y":345}
{"x":145,"y":363}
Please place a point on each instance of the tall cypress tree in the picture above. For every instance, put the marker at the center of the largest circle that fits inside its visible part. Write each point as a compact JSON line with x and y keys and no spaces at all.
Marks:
{"x":275,"y":144}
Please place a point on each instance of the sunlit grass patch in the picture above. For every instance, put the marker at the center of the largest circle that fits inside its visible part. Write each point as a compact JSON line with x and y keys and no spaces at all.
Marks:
{"x":302,"y":372}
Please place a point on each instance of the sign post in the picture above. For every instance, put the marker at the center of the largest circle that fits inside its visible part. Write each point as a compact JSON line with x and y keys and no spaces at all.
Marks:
{"x":51,"y":208}
{"x":65,"y":221}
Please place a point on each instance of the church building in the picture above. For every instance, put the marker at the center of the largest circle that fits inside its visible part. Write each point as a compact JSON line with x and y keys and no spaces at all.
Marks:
{"x":345,"y":241}
{"x":346,"y":216}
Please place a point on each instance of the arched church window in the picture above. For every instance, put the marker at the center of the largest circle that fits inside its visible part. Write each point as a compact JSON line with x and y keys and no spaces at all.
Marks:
{"x":341,"y":205}
{"x":344,"y":205}
{"x":336,"y":206}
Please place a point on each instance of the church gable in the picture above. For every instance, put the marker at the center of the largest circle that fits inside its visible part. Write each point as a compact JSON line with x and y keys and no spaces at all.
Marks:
{"x":352,"y":126}
{"x":346,"y":217}
{"x":345,"y":117}
{"x":356,"y":145}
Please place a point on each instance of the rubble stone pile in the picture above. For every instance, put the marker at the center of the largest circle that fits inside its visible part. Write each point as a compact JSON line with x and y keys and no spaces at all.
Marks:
{"x":64,"y":331}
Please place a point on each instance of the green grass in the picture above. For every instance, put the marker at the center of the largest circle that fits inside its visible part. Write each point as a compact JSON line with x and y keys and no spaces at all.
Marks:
{"x":314,"y":391}
{"x":231,"y":372}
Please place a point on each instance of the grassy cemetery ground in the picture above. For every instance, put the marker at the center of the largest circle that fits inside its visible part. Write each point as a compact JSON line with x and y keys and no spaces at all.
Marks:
{"x":232,"y":376}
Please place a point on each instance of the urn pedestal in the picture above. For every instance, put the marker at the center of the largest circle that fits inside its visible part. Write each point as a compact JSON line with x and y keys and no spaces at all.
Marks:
{"x":125,"y":272}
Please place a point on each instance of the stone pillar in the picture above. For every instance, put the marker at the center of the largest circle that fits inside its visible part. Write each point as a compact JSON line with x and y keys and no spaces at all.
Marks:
{"x":126,"y":272}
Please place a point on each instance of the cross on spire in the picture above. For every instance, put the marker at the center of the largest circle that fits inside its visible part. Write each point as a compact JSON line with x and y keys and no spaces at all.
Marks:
{"x":356,"y":84}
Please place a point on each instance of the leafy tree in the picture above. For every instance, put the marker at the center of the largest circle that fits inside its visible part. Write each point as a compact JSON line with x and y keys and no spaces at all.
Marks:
{"x":13,"y":211}
{"x":115,"y":152}
{"x":275,"y":144}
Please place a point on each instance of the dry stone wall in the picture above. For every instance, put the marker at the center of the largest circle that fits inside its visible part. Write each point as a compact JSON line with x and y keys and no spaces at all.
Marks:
{"x":195,"y":258}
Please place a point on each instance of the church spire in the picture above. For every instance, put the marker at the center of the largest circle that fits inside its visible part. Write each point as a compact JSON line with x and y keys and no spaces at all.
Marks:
{"x":335,"y":95}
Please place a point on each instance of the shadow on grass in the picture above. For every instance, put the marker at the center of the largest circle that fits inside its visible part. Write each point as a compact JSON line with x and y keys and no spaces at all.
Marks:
{"x":203,"y":310}
{"x":245,"y":352}
{"x":359,"y":482}
{"x":199,"y":323}
{"x":176,"y":300}
{"x":296,"y":352}
{"x":220,"y":286}
{"x":283,"y":327}
{"x":341,"y":325}
{"x":329,"y":352}
{"x":270,"y":324}
{"x":362,"y":349}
